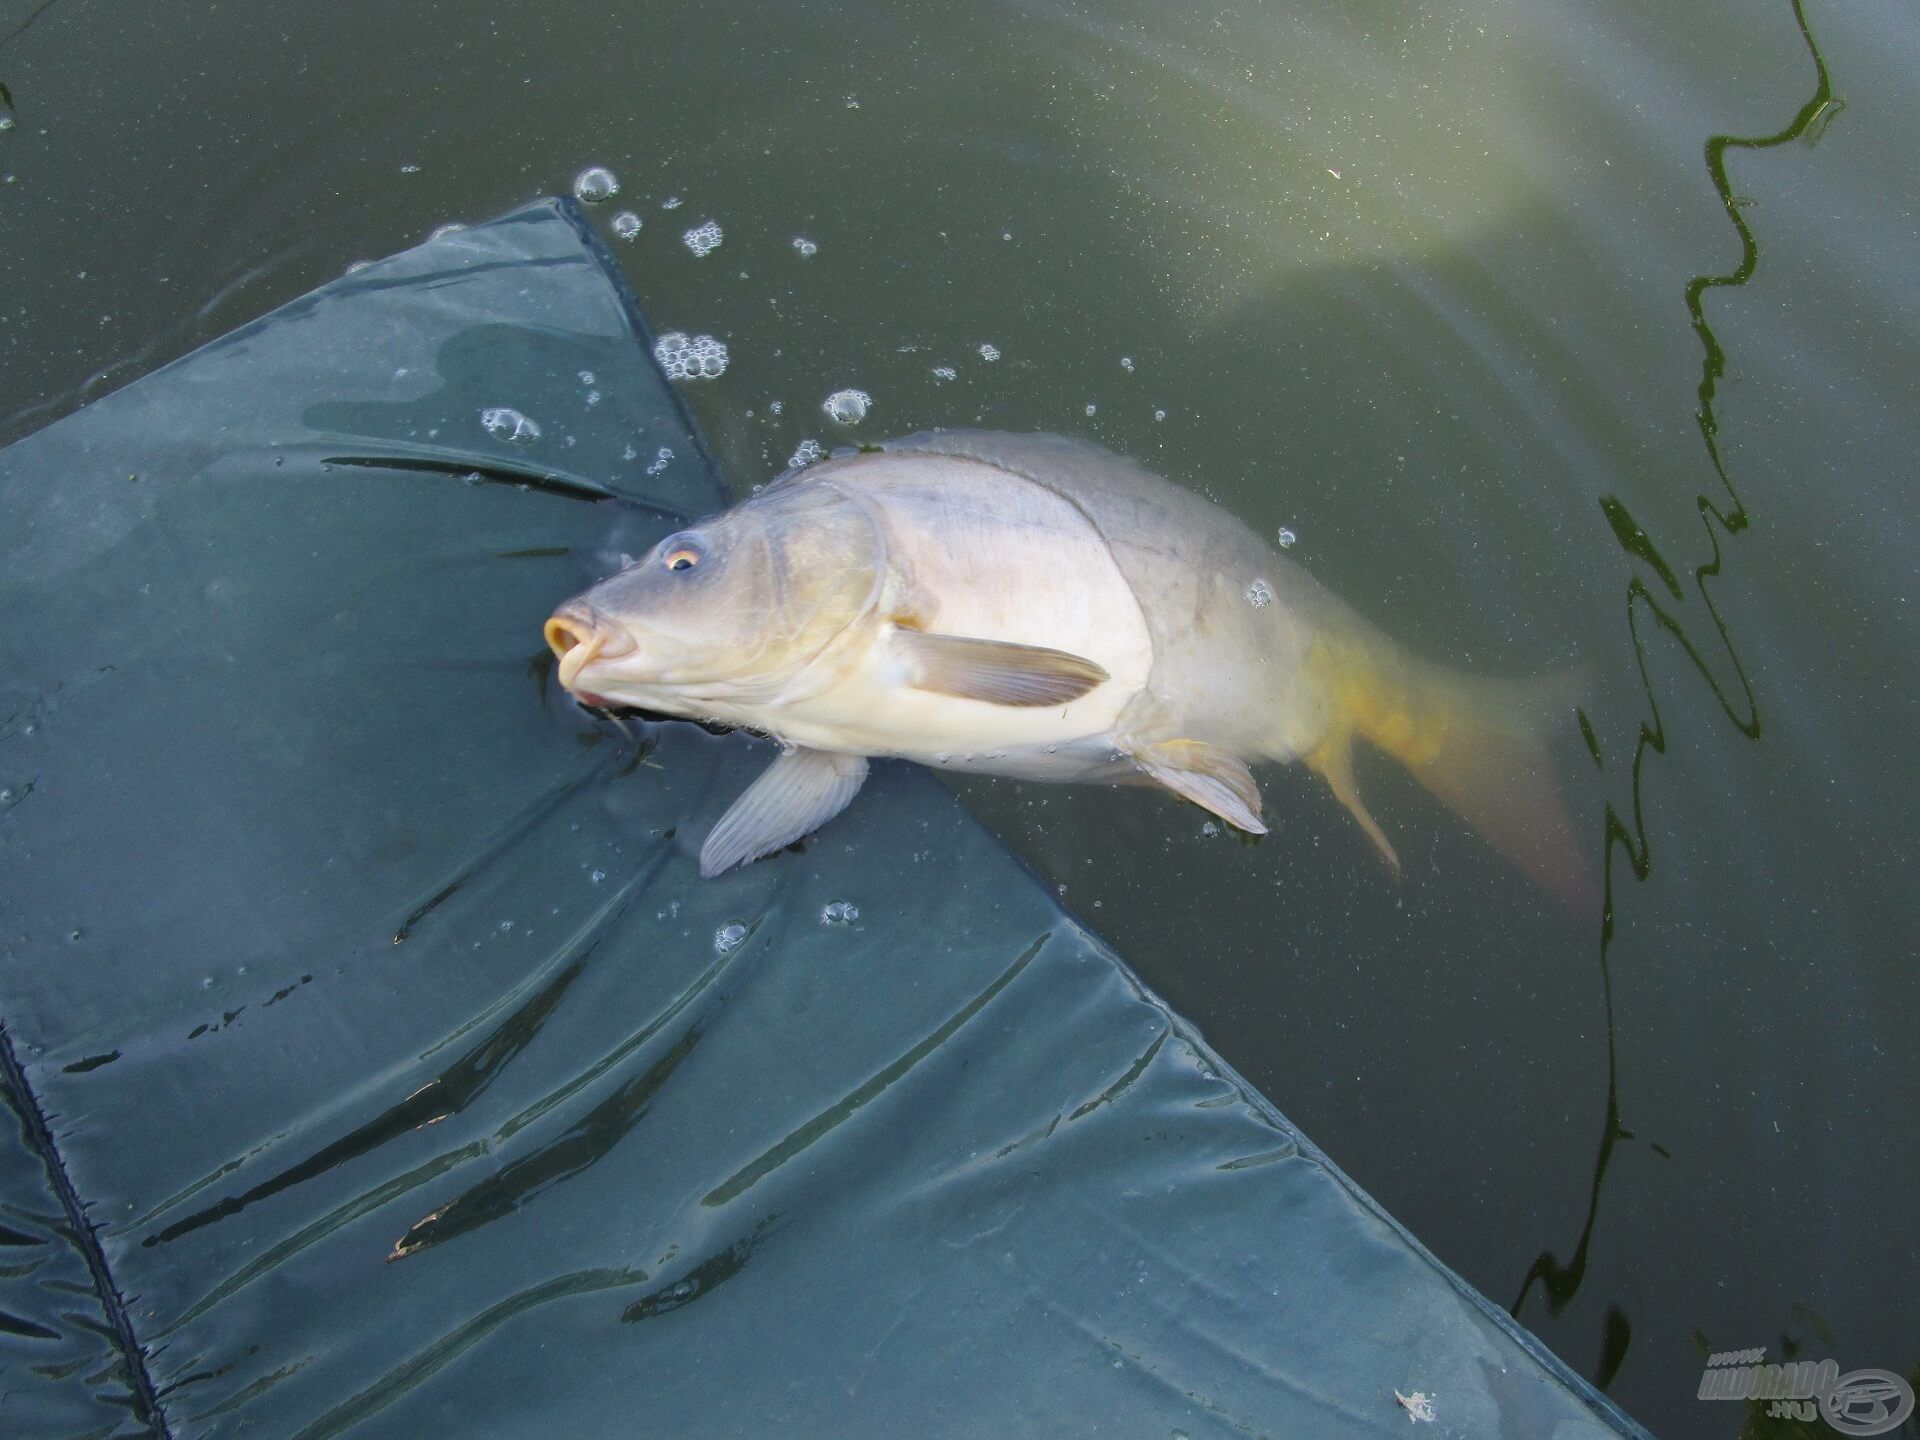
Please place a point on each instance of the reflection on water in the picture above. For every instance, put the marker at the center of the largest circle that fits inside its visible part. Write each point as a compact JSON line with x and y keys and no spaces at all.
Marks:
{"x":1559,"y":1282}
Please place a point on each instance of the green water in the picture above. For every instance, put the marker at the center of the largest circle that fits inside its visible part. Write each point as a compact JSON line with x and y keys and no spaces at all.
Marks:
{"x":1555,"y":334}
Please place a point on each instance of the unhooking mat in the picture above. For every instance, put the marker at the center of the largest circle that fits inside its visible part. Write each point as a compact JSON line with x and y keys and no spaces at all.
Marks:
{"x":377,"y":1064}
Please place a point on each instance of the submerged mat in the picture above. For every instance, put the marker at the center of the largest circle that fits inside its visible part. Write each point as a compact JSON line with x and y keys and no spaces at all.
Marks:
{"x":377,"y":1064}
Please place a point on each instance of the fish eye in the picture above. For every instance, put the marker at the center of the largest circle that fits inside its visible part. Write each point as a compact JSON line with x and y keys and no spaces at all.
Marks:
{"x":681,"y":555}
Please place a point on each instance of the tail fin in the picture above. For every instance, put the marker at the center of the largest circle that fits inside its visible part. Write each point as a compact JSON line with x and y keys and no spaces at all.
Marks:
{"x":1478,"y":745}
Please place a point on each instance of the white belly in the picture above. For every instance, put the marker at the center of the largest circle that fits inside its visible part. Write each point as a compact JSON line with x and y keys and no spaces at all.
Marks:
{"x":987,"y":556}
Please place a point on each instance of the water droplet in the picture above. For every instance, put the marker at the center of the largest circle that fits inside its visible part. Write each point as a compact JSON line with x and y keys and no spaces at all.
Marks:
{"x":1259,"y":594}
{"x":503,"y":423}
{"x":847,"y":407}
{"x":804,"y":246}
{"x":695,"y":357}
{"x":704,"y":238}
{"x":840,"y":912}
{"x":1287,"y":538}
{"x":989,"y":352}
{"x":594,"y":184}
{"x":729,"y":937}
{"x":945,"y":372}
{"x":805,"y":453}
{"x":626,"y":224}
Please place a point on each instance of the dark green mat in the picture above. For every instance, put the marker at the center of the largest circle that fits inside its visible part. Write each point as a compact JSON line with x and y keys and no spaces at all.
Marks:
{"x":382,"y":1067}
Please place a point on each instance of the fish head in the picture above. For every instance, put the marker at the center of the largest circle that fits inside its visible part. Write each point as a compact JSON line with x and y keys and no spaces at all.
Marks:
{"x":719,"y":618}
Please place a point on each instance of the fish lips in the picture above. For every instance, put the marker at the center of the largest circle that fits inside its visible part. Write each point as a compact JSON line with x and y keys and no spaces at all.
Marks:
{"x":579,"y":637}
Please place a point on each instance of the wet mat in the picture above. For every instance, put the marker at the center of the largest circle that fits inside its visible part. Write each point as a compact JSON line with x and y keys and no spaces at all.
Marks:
{"x":381,"y":1066}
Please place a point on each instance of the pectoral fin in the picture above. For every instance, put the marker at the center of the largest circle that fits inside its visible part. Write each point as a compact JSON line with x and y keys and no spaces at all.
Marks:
{"x":996,"y":671}
{"x":1209,"y":777}
{"x":794,"y":796}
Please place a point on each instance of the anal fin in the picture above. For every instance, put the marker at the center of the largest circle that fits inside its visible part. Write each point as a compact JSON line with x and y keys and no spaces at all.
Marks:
{"x":793,"y":797}
{"x":1208,"y":776}
{"x":1333,"y":760}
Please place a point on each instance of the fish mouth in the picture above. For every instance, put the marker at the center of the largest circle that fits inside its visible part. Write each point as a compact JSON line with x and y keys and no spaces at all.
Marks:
{"x":578,"y":636}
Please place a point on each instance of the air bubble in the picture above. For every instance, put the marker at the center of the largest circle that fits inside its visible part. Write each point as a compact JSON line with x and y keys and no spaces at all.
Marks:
{"x":1259,"y":594}
{"x":662,"y":458}
{"x":804,"y":246}
{"x":1159,"y":414}
{"x":696,"y":357}
{"x":729,"y":937}
{"x":672,"y":202}
{"x":1126,"y":363}
{"x":805,"y":453}
{"x":1287,"y":538}
{"x":503,"y":423}
{"x":594,"y":184}
{"x":989,"y":352}
{"x":847,"y":407}
{"x":597,"y":876}
{"x":840,"y":912}
{"x":1092,"y":410}
{"x":626,"y":224}
{"x":704,"y":238}
{"x":945,"y":372}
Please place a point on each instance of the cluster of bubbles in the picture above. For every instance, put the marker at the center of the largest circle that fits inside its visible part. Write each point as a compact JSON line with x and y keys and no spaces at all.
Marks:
{"x":1259,"y":594}
{"x":1286,"y":538}
{"x":704,"y":238}
{"x":804,"y":246}
{"x":626,"y":224}
{"x":989,"y":352}
{"x":805,"y":453}
{"x":594,"y":184}
{"x":840,"y":912}
{"x":662,"y":458}
{"x":504,"y":423}
{"x":729,"y":937}
{"x":945,"y":372}
{"x":690,"y":357}
{"x":847,"y":407}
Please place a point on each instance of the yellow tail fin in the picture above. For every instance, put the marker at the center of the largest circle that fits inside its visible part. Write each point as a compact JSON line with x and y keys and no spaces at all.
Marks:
{"x":1479,"y":745}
